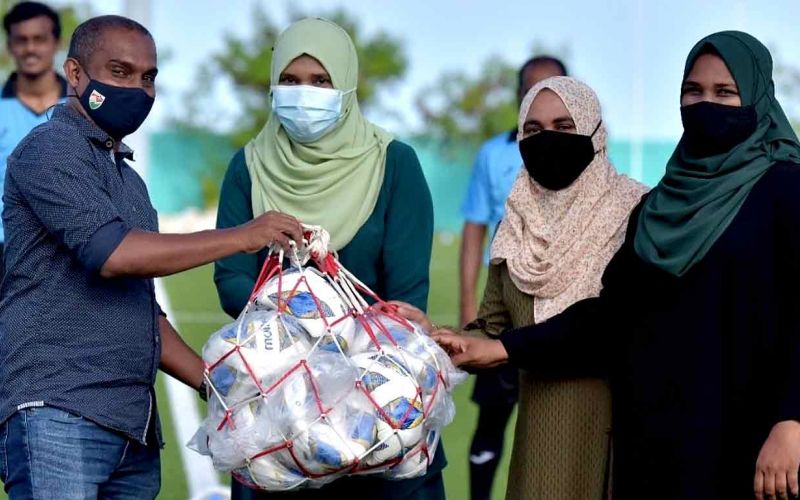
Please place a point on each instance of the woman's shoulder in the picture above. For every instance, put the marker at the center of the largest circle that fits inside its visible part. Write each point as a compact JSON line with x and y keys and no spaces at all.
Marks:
{"x":780,"y":182}
{"x":627,"y":184}
{"x":784,"y":171}
{"x":237,"y":168}
{"x":238,"y":161}
{"x":497,"y":268}
{"x":404,"y":183}
{"x":236,"y":183}
{"x":781,"y":185}
{"x":400,"y":152}
{"x":402,"y":164}
{"x":633,"y":195}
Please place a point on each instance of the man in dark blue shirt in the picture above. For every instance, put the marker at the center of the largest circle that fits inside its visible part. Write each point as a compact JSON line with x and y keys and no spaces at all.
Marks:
{"x":81,"y":334}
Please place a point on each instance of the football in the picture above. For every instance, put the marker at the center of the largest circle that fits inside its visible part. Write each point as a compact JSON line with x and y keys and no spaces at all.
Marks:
{"x":307,"y":296}
{"x":396,"y":397}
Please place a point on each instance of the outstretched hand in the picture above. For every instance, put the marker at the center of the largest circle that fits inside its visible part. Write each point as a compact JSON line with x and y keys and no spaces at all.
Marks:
{"x":467,"y":352}
{"x":471,"y":352}
{"x":412,"y":313}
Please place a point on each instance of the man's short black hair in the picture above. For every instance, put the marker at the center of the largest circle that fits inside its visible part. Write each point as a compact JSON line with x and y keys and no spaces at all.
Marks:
{"x":24,"y":11}
{"x":89,"y":35}
{"x":535,"y":61}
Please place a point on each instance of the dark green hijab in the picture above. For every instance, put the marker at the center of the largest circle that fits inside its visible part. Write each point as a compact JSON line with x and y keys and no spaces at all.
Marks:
{"x":699,"y":197}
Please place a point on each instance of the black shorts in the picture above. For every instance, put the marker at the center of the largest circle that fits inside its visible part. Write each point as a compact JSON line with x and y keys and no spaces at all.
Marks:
{"x":497,"y":386}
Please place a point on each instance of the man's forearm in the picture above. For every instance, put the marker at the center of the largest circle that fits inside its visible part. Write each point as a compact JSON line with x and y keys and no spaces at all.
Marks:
{"x":147,"y":255}
{"x":177,"y":358}
{"x":472,"y":239}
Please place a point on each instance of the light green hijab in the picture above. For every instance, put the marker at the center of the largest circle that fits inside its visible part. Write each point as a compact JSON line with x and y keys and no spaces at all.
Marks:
{"x":699,"y":197}
{"x":333,"y":182}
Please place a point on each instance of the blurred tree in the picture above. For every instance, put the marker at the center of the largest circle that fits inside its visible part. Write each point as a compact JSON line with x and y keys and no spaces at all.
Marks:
{"x":71,"y":17}
{"x":465,"y":108}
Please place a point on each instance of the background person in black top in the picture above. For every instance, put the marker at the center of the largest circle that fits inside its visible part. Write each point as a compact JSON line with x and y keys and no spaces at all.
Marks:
{"x":700,"y":305}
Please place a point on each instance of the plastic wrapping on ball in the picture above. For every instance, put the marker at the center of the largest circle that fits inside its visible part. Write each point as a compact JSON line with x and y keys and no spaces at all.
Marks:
{"x":325,"y":449}
{"x":416,"y":462}
{"x":306,"y":295}
{"x":397,"y":401}
{"x":272,"y":472}
{"x":433,"y":370}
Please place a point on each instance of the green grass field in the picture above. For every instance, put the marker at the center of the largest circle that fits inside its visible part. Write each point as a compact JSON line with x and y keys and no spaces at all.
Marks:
{"x":197,"y":315}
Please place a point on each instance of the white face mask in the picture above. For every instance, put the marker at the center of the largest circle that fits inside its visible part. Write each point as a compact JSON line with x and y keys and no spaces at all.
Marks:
{"x":307,"y":113}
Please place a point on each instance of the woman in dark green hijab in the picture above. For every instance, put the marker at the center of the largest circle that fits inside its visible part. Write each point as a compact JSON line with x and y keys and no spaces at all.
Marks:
{"x":699,"y":310}
{"x":731,"y":138}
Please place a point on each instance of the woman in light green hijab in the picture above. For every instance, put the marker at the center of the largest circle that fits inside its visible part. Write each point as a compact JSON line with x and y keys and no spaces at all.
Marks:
{"x":332,"y":180}
{"x":319,"y":160}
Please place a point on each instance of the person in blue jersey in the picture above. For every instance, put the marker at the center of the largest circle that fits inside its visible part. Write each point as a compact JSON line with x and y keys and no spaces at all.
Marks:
{"x":33,"y":35}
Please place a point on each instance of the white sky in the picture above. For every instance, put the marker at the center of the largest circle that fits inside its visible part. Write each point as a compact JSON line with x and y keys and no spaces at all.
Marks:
{"x":630,"y":51}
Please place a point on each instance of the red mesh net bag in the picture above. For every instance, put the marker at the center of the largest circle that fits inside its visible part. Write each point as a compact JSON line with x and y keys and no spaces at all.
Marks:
{"x":319,"y":378}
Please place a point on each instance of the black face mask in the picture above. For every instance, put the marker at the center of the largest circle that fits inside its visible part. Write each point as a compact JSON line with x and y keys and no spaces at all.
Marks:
{"x":556,"y":159}
{"x":711,"y":129}
{"x":119,"y":111}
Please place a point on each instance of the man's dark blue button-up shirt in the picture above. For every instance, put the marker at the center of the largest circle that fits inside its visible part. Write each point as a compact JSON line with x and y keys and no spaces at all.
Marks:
{"x":68,"y":337}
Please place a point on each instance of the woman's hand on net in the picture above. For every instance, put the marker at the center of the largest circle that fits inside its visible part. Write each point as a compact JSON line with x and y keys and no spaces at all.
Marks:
{"x":471,"y":352}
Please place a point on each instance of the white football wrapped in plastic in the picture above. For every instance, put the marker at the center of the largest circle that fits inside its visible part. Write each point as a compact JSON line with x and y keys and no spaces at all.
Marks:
{"x":271,"y":342}
{"x":236,"y":437}
{"x":322,"y":449}
{"x":308,"y":296}
{"x":312,"y":387}
{"x":416,"y":461}
{"x":398,"y":402}
{"x":221,"y":345}
{"x":345,"y":338}
{"x":272,"y":472}
{"x":408,"y":347}
{"x":259,"y":343}
{"x":406,"y":343}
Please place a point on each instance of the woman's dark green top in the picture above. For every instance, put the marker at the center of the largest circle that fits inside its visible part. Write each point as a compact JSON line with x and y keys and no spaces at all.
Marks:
{"x":390,"y":253}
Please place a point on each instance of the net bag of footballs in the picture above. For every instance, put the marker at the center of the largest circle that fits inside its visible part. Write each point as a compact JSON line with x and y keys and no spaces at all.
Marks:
{"x":319,"y":378}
